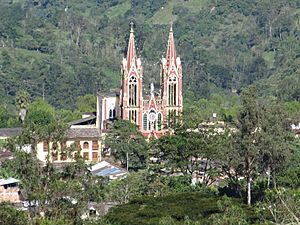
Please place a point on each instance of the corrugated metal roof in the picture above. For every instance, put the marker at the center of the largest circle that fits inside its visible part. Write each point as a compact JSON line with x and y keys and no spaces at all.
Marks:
{"x":8,"y":181}
{"x":109,"y":171}
{"x":106,"y":169}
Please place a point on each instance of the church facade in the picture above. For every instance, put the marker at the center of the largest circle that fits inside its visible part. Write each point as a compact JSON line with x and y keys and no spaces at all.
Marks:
{"x":150,"y":112}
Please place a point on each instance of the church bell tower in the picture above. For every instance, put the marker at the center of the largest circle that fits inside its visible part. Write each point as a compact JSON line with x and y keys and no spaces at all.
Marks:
{"x":171,"y":80}
{"x":131,"y":93}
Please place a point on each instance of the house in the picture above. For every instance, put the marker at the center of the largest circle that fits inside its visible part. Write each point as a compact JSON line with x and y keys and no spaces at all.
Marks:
{"x":105,"y":169}
{"x":9,"y":190}
{"x":83,"y":133}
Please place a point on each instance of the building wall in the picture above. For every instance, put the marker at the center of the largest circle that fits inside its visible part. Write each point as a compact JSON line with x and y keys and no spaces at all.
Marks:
{"x":110,"y":110}
{"x":89,"y":149}
{"x":9,"y":194}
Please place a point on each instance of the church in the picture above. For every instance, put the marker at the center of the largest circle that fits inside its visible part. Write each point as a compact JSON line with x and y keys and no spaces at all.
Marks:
{"x":149,"y":112}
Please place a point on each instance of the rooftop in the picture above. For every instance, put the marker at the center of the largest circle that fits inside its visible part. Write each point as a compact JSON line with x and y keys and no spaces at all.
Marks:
{"x":10,"y":132}
{"x":83,"y":133}
{"x":105,"y":169}
{"x":8,"y":181}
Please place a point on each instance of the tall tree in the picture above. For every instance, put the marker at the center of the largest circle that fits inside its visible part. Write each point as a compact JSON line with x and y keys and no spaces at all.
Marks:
{"x":127,"y":145}
{"x":258,"y":144}
{"x":22,"y":101}
{"x":190,"y":151}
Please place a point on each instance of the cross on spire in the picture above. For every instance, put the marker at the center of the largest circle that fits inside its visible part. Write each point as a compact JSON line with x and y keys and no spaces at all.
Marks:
{"x":131,"y":27}
{"x":171,"y":26}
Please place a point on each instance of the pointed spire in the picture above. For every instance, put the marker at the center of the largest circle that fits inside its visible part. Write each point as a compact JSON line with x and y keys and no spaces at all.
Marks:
{"x":131,"y":54}
{"x":171,"y":51}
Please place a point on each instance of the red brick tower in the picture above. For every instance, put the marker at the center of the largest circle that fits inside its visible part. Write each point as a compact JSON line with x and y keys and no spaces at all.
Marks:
{"x":151,"y":112}
{"x":131,"y":85}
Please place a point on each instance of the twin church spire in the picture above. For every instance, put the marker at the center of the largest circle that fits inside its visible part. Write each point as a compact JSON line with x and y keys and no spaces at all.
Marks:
{"x":150,"y":112}
{"x":131,"y":51}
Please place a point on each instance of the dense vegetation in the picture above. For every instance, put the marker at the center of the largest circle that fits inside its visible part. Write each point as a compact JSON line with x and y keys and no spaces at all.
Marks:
{"x":176,"y":209}
{"x":55,"y":56}
{"x":64,"y":49}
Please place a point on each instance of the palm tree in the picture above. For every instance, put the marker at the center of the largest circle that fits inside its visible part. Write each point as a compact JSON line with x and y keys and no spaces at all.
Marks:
{"x":22,"y":101}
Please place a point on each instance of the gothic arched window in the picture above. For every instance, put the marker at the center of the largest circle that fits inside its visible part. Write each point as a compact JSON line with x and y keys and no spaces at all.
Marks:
{"x":172,"y":91}
{"x":145,"y":120}
{"x":112,"y":113}
{"x":132,"y":91}
{"x":159,"y":121}
{"x":132,"y":115}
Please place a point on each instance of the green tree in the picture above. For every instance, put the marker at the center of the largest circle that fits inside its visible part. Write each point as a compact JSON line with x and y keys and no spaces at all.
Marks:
{"x":127,"y":145}
{"x":9,"y":215}
{"x":22,"y":102}
{"x":282,"y":205}
{"x":3,"y":117}
{"x":258,"y":145}
{"x":191,"y":151}
{"x":123,"y":190}
{"x":231,"y":214}
{"x":86,"y":103}
{"x":40,"y":113}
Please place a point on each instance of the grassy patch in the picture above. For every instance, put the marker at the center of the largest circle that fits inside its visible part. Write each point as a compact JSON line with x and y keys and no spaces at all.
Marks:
{"x":165,"y":14}
{"x":270,"y":58}
{"x":118,"y":10}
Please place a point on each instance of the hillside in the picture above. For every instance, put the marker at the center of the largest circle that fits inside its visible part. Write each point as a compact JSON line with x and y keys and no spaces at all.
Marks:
{"x":64,"y":49}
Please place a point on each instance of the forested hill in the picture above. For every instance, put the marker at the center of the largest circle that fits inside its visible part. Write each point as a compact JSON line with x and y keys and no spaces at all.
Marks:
{"x":68,"y":48}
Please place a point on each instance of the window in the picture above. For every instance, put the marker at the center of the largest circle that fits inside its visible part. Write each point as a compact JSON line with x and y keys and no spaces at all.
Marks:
{"x":86,"y":156}
{"x":46,"y":146}
{"x":112,"y":113}
{"x":63,"y":156}
{"x":95,"y":145}
{"x":54,"y":156}
{"x":132,"y":91}
{"x":85,"y":145}
{"x":172,"y":91}
{"x":54,"y":146}
{"x":63,"y":145}
{"x":77,"y":143}
{"x":159,"y":122}
{"x":145,"y":120}
{"x":95,"y":156}
{"x":132,"y":114}
{"x":172,"y":116}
